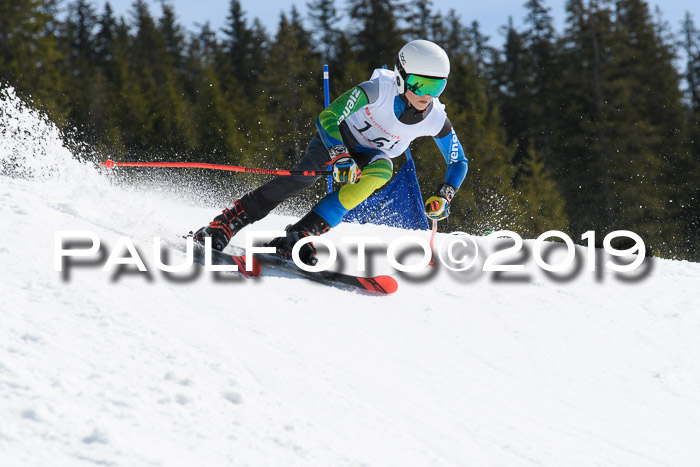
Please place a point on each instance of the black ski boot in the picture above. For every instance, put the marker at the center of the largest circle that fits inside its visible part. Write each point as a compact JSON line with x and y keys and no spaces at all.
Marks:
{"x":224,"y":226}
{"x":310,"y":225}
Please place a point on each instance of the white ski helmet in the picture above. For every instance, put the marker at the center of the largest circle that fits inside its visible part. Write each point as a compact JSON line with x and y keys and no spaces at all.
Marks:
{"x":421,"y":58}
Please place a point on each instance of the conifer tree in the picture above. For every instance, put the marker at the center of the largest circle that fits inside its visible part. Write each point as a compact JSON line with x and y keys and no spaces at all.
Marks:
{"x":378,"y":36}
{"x":104,"y":41}
{"x":174,"y":37}
{"x":645,"y":138}
{"x":75,"y":42}
{"x":540,"y":41}
{"x":617,"y":137}
{"x":480,"y":50}
{"x":241,"y":65}
{"x":159,"y":115}
{"x":541,"y":207}
{"x":122,"y":82}
{"x":326,"y":31}
{"x":691,"y":48}
{"x":530,"y":110}
{"x":29,"y":55}
{"x":293,"y":94}
{"x":419,"y":17}
{"x":259,"y":51}
{"x":515,"y":95}
{"x":689,"y":196}
{"x":218,"y":139}
{"x":580,"y":143}
{"x":238,"y":47}
{"x":109,"y":68}
{"x":526,"y":88}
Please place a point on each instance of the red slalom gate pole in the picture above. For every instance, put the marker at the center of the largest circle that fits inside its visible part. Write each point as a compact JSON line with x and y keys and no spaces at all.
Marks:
{"x":230,"y":168}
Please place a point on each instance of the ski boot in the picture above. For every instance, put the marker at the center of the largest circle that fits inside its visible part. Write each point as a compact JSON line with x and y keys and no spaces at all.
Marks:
{"x":311,"y":224}
{"x":224,"y":226}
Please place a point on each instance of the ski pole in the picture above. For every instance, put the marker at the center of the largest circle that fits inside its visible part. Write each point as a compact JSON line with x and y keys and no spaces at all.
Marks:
{"x":432,"y":243}
{"x":230,"y":168}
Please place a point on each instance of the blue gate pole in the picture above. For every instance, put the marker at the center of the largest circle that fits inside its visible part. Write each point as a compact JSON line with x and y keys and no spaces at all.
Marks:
{"x":326,"y":94}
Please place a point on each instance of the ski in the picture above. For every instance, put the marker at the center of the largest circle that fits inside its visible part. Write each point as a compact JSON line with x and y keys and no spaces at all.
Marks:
{"x":219,"y":258}
{"x":382,"y":285}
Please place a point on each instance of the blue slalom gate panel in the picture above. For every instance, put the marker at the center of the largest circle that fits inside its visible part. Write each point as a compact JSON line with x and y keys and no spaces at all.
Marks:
{"x":399,"y":204}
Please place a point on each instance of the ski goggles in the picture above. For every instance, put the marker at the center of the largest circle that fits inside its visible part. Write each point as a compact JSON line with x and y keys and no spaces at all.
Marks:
{"x":422,"y":85}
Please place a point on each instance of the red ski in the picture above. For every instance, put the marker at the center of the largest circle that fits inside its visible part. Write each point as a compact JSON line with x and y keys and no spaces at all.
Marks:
{"x":381,"y":285}
{"x":224,"y":259}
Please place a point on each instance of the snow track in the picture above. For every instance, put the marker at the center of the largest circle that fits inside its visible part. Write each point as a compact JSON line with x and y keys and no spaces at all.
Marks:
{"x":134,"y":369}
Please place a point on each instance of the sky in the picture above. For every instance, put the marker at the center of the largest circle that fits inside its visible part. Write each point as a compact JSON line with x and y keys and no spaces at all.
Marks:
{"x":491,"y":15}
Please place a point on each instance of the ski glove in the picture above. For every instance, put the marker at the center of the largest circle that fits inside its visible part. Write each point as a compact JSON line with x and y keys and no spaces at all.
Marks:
{"x":345,"y":169}
{"x":437,"y":207}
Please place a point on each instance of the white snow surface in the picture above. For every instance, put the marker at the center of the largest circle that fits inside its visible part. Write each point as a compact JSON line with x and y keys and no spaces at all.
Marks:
{"x":456,"y":369}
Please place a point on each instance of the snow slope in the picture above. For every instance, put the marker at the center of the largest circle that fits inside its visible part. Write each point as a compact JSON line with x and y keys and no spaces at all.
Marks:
{"x":455,"y":369}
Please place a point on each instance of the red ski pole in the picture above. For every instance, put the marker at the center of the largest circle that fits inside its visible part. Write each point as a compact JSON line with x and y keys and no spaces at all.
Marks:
{"x":432,"y":243}
{"x":230,"y":168}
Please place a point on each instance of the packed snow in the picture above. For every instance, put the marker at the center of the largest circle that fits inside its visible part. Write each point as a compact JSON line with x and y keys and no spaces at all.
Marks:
{"x":130,"y":368}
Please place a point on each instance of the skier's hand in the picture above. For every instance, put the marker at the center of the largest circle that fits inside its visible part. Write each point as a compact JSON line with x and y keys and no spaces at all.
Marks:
{"x":437,"y":207}
{"x":345,"y":169}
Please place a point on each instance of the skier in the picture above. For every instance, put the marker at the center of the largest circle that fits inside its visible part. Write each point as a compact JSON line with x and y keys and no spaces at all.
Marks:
{"x":358,"y":135}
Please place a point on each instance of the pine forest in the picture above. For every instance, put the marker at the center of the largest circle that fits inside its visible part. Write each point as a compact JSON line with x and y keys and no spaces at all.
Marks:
{"x":592,"y":127}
